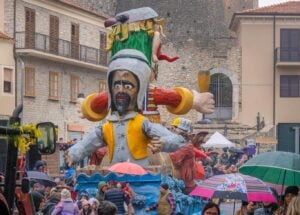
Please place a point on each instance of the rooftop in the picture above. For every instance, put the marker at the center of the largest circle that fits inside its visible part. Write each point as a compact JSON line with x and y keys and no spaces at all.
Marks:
{"x":290,"y":7}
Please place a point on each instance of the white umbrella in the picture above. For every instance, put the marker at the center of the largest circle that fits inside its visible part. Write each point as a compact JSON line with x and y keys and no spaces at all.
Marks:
{"x":217,"y":140}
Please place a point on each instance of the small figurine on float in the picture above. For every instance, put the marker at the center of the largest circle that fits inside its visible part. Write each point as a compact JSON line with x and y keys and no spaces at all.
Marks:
{"x":184,"y":159}
{"x":126,"y":132}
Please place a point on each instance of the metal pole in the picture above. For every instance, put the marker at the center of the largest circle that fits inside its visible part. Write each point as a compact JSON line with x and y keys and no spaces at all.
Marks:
{"x":11,"y":163}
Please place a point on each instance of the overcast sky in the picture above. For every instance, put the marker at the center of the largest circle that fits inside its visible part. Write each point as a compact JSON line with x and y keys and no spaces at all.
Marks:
{"x":270,"y":2}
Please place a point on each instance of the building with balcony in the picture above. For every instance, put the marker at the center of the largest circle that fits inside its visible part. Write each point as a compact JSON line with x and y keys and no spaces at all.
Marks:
{"x":269,"y":38}
{"x":60,"y":52}
{"x":7,"y":70}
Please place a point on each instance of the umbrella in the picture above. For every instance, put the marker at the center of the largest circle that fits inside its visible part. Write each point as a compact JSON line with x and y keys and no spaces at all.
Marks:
{"x":275,"y":167}
{"x":127,"y":168}
{"x":217,"y":140}
{"x":41,"y":178}
{"x":234,"y":186}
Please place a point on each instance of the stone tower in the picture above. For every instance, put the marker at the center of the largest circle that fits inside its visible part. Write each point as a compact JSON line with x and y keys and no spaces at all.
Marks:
{"x":197,"y":31}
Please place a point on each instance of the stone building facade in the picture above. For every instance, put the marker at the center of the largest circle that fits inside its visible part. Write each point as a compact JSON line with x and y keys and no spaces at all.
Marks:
{"x":60,"y":52}
{"x":197,"y":31}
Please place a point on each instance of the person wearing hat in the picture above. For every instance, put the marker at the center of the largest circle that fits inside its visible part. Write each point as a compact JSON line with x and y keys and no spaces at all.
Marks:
{"x":126,"y":133}
{"x":66,"y":204}
{"x":40,"y":166}
{"x":166,"y":204}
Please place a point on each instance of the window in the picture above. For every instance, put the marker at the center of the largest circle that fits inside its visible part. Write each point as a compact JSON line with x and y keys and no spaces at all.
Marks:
{"x":30,"y":81}
{"x":290,"y":45}
{"x":8,"y":80}
{"x":102,"y":85}
{"x":53,"y":86}
{"x":74,"y":87}
{"x":289,"y":86}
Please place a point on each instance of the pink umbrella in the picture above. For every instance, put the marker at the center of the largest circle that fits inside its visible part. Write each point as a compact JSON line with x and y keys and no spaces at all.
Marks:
{"x":127,"y":168}
{"x":235,"y":186}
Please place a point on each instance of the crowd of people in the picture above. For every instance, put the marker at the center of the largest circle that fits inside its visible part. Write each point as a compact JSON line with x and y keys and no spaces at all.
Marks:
{"x":112,"y":198}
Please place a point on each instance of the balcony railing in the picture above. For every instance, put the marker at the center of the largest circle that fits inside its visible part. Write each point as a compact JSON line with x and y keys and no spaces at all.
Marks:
{"x":288,"y":55}
{"x":63,"y":48}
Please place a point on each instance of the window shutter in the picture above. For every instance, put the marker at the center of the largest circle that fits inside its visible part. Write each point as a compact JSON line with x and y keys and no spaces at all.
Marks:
{"x":29,"y":28}
{"x":29,"y":81}
{"x":54,"y":34}
{"x":75,"y":41}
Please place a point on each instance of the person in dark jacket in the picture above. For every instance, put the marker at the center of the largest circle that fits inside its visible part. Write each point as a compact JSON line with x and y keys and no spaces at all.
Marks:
{"x":52,"y":200}
{"x":117,"y":196}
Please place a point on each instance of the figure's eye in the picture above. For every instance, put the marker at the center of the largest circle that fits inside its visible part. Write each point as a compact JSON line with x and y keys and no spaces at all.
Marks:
{"x":118,"y":86}
{"x":128,"y":86}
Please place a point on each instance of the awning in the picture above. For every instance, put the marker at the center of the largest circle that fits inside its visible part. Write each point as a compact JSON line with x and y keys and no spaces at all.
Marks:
{"x":266,"y":140}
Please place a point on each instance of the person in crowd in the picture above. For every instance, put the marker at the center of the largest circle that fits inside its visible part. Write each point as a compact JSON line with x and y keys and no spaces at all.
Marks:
{"x":66,"y":205}
{"x":107,"y":208}
{"x":233,"y":157}
{"x":211,"y":209}
{"x":40,"y":166}
{"x":166,"y":204}
{"x":82,"y":196}
{"x":52,"y":200}
{"x":86,"y":208}
{"x":94,"y":204}
{"x":243,"y":210}
{"x":268,"y":208}
{"x":102,"y":187}
{"x":294,"y":206}
{"x":38,"y":200}
{"x":289,"y":194}
{"x":117,"y":196}
{"x":128,"y":191}
{"x":224,"y":159}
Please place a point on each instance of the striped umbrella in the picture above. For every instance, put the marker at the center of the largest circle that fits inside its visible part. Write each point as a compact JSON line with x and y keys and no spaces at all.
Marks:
{"x":234,"y":186}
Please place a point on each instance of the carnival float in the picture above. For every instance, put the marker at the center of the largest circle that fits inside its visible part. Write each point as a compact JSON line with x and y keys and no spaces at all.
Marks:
{"x":130,"y":125}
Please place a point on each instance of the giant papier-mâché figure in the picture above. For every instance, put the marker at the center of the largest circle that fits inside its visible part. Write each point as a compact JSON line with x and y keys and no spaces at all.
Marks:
{"x":140,"y":29}
{"x":126,"y":132}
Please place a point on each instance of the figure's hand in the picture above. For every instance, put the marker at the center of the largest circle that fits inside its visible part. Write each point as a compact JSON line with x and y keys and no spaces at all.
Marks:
{"x":156,"y":144}
{"x":203,"y":102}
{"x":68,"y":159}
{"x":154,"y":58}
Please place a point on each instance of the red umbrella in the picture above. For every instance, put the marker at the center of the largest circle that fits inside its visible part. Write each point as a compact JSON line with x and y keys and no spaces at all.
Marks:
{"x":127,"y":168}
